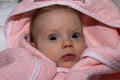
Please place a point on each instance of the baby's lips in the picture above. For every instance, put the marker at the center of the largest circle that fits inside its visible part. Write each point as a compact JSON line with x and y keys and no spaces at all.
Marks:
{"x":69,"y":57}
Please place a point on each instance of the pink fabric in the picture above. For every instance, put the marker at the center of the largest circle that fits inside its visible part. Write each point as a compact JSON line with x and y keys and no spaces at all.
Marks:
{"x":100,"y":61}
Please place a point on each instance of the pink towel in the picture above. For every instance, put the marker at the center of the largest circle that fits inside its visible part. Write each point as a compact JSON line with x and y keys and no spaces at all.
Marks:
{"x":100,"y":61}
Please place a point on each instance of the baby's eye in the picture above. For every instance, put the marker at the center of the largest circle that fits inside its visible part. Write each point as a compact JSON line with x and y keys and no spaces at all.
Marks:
{"x":53,"y":37}
{"x":75,"y":35}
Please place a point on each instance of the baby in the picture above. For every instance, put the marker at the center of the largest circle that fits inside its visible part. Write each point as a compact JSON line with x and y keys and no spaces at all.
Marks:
{"x":62,"y":40}
{"x":56,"y":31}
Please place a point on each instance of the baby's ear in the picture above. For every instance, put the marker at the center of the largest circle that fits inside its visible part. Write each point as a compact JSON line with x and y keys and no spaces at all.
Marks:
{"x":33,"y":44}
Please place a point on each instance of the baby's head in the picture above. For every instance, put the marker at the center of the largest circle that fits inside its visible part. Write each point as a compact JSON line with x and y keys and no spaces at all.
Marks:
{"x":56,"y":31}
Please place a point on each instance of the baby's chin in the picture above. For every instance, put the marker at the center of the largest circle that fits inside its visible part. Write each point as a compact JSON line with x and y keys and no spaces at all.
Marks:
{"x":67,"y":64}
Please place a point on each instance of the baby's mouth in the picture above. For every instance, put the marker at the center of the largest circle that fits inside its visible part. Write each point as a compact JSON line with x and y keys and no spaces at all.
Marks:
{"x":69,"y":57}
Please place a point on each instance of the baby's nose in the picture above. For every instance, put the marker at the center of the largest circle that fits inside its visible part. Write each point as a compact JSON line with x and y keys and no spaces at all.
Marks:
{"x":67,"y":44}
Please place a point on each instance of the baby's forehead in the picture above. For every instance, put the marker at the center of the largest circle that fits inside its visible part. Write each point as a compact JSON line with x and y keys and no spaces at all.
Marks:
{"x":53,"y":8}
{"x":50,"y":9}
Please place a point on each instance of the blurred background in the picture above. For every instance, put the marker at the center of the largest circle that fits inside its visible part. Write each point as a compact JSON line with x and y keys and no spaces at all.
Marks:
{"x":6,"y":6}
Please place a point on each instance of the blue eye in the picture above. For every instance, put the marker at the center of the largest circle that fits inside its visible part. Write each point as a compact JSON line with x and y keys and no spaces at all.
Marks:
{"x":75,"y":35}
{"x":53,"y":37}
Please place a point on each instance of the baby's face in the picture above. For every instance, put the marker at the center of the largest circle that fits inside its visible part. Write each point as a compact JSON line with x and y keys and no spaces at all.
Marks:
{"x":59,"y":36}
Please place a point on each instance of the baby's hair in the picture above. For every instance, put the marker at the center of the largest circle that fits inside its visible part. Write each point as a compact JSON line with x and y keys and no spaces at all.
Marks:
{"x":47,"y":9}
